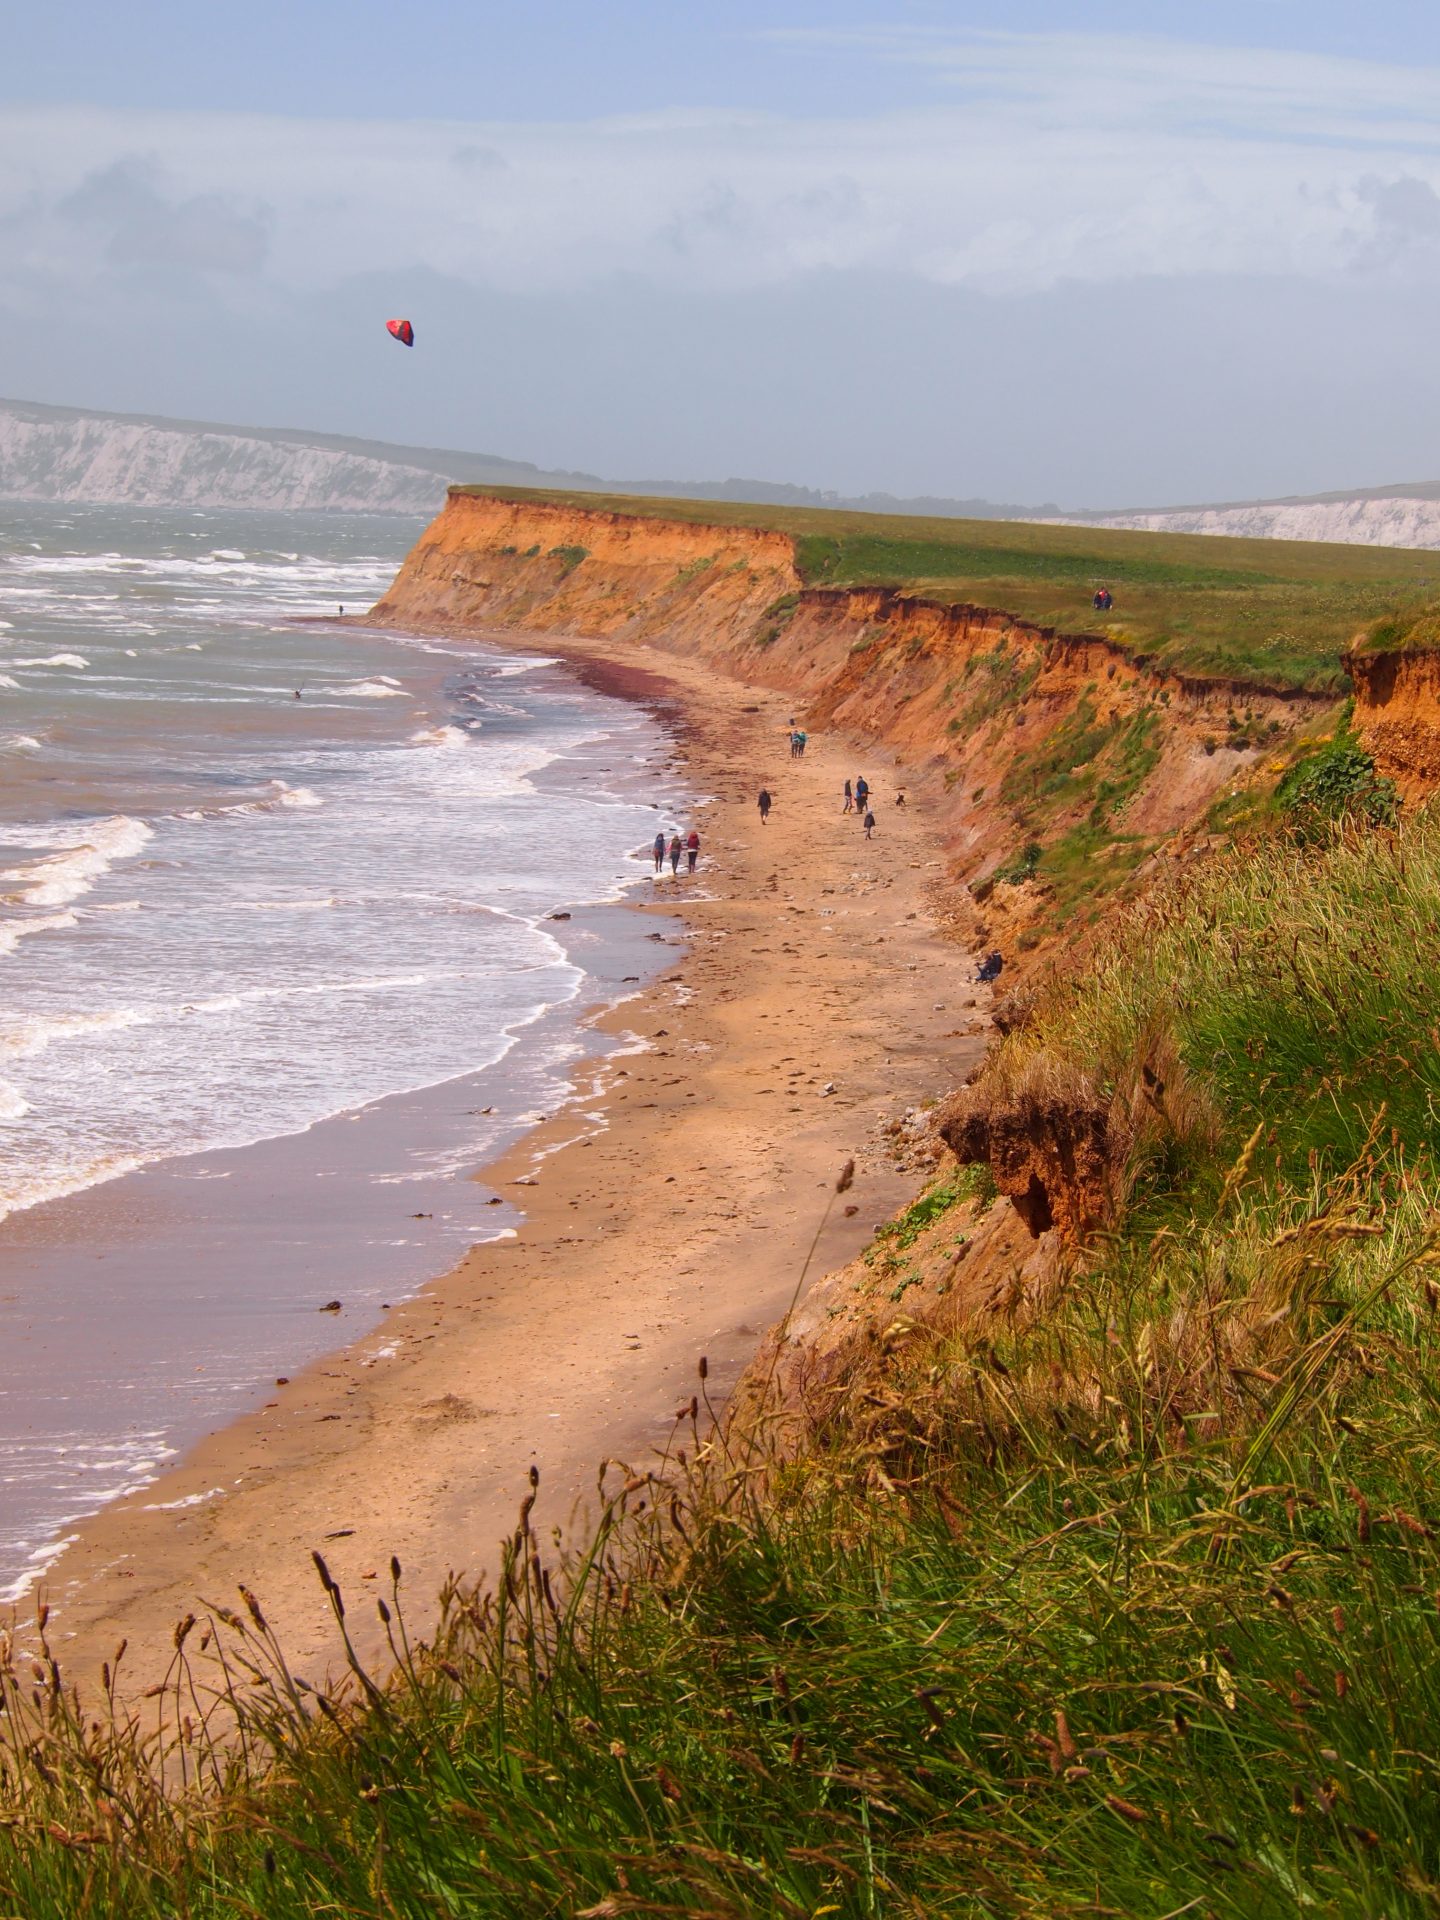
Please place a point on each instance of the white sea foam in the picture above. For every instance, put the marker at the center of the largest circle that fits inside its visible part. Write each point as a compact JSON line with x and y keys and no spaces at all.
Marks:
{"x":36,"y":1566}
{"x":12,"y":932}
{"x":20,"y":743}
{"x":40,"y":1188}
{"x":446,"y":737}
{"x":288,"y":796}
{"x":83,"y":854}
{"x":7,"y":681}
{"x":13,"y":1104}
{"x":26,"y":1038}
{"x":76,"y":660}
{"x":379,"y":689}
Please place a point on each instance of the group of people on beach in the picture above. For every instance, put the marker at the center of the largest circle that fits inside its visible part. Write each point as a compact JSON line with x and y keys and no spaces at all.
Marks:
{"x":689,"y":846}
{"x":857,"y":801}
{"x":857,"y":795}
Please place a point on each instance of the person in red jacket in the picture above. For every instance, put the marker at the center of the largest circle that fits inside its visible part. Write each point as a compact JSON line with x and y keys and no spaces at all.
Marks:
{"x":692,"y":849}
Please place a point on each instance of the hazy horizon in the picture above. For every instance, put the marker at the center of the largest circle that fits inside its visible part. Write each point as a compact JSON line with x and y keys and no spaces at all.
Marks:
{"x":963,"y":252}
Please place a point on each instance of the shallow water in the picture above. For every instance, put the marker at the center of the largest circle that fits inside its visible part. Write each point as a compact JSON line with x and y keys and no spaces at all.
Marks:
{"x":228,"y":914}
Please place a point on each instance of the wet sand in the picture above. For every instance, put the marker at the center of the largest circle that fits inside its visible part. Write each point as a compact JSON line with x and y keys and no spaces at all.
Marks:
{"x":667,"y":1213}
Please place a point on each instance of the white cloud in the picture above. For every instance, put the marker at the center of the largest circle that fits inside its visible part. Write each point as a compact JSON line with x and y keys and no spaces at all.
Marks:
{"x":1039,"y":160}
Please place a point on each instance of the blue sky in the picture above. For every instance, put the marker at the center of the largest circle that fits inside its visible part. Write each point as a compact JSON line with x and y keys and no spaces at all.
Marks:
{"x":541,"y":59}
{"x":1122,"y":254}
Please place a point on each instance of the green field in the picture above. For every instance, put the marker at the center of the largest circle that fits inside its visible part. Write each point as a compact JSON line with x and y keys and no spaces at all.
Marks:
{"x":1276,"y":612}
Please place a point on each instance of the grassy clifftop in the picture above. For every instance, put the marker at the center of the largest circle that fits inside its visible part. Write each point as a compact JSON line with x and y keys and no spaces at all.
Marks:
{"x":1279,"y":611}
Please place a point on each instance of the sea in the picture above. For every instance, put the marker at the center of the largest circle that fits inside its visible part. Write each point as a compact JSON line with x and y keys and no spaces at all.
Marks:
{"x":278,"y":967}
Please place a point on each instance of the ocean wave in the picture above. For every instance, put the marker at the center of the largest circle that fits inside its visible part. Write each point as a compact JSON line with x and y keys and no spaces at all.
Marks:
{"x":13,"y":1104}
{"x":448,"y":738}
{"x":6,"y":681}
{"x":26,"y":1039}
{"x":380,"y":688}
{"x":37,"y":1565}
{"x":53,"y":660}
{"x":83,"y":854}
{"x":20,"y":743}
{"x":12,"y":932}
{"x":288,"y":796}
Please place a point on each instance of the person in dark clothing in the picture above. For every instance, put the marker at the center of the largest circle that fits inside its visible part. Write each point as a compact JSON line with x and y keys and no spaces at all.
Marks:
{"x":692,"y":849}
{"x":869,"y":823}
{"x":764,"y":805}
{"x":862,"y":793}
{"x":989,"y":968}
{"x":659,"y":851}
{"x":849,"y":806}
{"x":675,"y":853}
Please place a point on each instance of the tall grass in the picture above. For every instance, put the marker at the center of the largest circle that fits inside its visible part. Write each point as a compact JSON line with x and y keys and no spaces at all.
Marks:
{"x":1299,"y":987}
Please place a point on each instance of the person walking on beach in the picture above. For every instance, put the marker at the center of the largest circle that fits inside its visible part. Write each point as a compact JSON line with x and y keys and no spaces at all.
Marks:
{"x":801,"y":740}
{"x":692,"y":849}
{"x":675,"y":853}
{"x":869,"y":823}
{"x":764,"y":805}
{"x":659,"y":851}
{"x":849,"y":806}
{"x":862,"y":793}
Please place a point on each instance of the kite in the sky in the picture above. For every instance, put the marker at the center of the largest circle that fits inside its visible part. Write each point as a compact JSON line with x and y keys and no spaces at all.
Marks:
{"x":402,"y":331}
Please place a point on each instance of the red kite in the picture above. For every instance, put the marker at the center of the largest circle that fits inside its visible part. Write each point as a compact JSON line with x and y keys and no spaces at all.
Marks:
{"x":402,"y":331}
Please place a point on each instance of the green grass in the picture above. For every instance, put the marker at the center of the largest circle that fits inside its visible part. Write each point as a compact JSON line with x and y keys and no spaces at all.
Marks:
{"x":1296,"y":986}
{"x":1276,"y":612}
{"x":1084,"y":766}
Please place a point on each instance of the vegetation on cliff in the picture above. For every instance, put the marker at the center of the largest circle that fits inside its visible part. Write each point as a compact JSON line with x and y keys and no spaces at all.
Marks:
{"x":1277,"y":612}
{"x":1114,"y":1592}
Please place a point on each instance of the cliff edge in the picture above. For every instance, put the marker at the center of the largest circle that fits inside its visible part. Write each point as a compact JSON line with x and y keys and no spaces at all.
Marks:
{"x":1067,"y":763}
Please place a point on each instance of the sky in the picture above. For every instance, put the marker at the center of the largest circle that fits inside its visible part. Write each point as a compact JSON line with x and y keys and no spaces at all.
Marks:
{"x":1115,"y":255}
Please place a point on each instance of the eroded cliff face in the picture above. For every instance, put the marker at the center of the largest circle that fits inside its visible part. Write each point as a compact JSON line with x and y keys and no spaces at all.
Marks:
{"x":1397,"y":714}
{"x":1026,"y":737}
{"x":1038,"y":735}
{"x":491,"y":562}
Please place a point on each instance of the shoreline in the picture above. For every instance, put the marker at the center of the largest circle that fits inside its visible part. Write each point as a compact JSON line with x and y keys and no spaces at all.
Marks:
{"x":145,"y":1311}
{"x":668,"y":1204}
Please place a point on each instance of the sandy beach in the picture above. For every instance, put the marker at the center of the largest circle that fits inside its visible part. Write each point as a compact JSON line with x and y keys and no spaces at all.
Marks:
{"x":816,"y":996}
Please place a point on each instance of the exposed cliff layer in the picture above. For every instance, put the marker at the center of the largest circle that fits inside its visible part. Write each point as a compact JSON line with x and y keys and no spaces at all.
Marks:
{"x":1397,"y":714}
{"x":1067,"y":760}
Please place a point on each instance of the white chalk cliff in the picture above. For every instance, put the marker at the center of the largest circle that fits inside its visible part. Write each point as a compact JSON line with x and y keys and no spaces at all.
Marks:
{"x":1387,"y":518}
{"x":65,"y":454}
